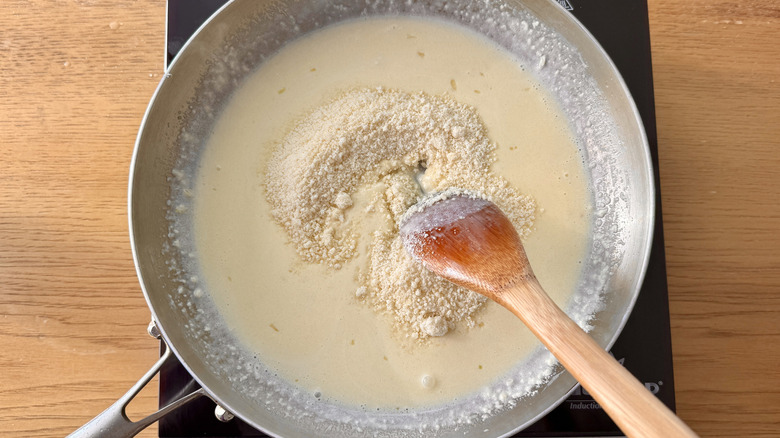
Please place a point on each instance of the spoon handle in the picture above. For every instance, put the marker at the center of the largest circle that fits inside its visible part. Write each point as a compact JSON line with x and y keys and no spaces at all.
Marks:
{"x":631,"y":406}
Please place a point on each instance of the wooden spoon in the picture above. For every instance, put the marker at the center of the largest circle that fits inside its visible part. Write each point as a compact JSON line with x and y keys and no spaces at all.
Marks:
{"x":471,"y":243}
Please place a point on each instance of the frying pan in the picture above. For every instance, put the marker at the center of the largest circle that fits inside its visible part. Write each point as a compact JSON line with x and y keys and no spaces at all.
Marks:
{"x":544,"y":38}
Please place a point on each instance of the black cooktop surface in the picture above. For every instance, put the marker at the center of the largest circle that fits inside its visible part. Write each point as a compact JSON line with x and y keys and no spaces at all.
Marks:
{"x":644,"y":346}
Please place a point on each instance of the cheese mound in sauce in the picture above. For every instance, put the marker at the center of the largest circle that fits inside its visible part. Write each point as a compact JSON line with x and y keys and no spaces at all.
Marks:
{"x":369,"y":144}
{"x":325,"y":320}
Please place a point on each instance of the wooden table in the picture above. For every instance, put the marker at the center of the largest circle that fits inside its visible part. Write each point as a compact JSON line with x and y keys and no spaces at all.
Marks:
{"x":75,"y":78}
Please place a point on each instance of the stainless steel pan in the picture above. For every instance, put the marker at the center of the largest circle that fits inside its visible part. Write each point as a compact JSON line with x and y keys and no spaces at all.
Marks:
{"x":565,"y":58}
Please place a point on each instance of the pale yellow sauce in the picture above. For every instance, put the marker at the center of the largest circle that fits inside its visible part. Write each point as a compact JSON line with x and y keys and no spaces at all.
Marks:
{"x":303,"y":320}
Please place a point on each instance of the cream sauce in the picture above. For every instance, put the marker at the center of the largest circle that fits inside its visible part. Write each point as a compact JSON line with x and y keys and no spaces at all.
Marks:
{"x":304,"y":320}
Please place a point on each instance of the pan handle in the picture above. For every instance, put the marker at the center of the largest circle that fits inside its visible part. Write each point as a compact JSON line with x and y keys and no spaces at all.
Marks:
{"x":113,"y":422}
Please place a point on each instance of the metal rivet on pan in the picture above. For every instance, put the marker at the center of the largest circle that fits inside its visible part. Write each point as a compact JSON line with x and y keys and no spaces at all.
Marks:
{"x":153,"y":330}
{"x":223,"y":415}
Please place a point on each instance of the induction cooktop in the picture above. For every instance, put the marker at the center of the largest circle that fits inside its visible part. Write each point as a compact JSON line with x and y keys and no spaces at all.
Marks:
{"x":644,"y":346}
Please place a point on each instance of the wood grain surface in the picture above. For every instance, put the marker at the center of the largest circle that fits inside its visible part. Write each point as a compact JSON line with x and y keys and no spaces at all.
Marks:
{"x":75,"y":79}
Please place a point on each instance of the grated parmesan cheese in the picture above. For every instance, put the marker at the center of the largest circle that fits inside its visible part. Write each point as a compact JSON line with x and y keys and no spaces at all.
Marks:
{"x":378,"y":137}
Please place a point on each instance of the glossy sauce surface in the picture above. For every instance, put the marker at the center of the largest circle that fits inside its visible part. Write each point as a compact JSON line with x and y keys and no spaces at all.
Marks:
{"x":304,"y":320}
